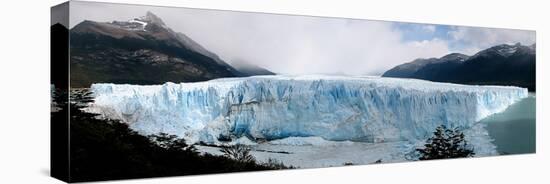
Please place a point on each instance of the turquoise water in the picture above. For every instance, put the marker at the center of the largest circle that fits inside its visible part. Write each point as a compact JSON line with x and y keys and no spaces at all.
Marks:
{"x":514,"y":130}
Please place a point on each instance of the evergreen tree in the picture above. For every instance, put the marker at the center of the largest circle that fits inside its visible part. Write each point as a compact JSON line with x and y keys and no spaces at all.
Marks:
{"x":445,"y":143}
{"x":106,"y":149}
{"x":238,"y":152}
{"x":172,"y":142}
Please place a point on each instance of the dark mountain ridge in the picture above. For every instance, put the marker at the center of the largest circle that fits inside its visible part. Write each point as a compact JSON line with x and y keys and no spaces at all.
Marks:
{"x":139,"y":51}
{"x":249,"y":69}
{"x":511,"y":65}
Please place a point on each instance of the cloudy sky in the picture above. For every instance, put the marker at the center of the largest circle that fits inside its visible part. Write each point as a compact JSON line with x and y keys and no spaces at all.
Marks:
{"x":310,"y":45}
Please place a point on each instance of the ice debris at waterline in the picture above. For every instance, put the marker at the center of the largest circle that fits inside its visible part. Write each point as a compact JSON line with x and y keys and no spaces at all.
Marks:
{"x":335,"y":108}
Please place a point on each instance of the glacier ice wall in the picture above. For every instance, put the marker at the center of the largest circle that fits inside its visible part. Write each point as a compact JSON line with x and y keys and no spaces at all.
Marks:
{"x":370,"y":109}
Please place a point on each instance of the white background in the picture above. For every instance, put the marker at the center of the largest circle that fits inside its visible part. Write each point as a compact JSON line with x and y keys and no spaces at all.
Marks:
{"x":24,"y":95}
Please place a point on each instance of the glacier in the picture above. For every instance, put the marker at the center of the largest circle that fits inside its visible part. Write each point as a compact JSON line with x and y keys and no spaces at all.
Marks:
{"x":282,"y":107}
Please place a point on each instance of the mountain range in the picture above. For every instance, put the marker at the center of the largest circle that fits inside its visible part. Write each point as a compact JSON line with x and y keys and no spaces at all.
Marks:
{"x":145,"y":51}
{"x":504,"y":64}
{"x":141,"y":51}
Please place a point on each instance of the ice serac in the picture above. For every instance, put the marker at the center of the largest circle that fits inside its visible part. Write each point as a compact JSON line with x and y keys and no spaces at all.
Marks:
{"x":370,"y":109}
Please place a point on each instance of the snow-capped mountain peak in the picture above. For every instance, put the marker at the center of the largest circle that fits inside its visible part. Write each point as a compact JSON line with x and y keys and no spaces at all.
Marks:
{"x":454,"y":57}
{"x":140,"y":24}
{"x":152,"y":18}
{"x":504,"y":50}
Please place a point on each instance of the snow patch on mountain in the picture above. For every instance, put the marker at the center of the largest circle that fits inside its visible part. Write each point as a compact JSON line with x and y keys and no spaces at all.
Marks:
{"x":143,"y":24}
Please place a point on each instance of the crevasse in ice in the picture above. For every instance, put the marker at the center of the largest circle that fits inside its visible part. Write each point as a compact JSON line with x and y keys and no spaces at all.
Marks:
{"x":370,"y":109}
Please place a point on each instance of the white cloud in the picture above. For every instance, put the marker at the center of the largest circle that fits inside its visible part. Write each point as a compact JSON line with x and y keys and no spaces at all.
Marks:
{"x":297,"y":45}
{"x":281,"y":43}
{"x":429,"y":28}
{"x":476,"y":38}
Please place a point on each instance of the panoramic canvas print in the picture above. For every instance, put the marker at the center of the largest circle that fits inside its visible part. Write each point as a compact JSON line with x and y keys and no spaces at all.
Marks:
{"x":149,"y":91}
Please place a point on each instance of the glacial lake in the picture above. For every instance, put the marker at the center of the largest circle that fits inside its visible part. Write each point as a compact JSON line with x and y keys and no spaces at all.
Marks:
{"x":514,"y":130}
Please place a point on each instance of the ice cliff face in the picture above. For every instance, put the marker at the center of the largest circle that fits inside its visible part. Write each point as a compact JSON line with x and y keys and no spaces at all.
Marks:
{"x":370,"y":109}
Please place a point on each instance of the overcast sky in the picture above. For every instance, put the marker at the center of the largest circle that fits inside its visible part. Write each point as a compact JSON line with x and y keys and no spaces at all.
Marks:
{"x":309,"y":45}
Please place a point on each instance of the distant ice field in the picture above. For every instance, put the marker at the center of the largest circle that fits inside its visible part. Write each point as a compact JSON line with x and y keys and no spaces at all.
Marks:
{"x":306,"y":111}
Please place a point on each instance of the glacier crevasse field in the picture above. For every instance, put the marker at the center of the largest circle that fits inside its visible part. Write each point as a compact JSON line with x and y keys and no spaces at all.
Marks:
{"x":335,"y":108}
